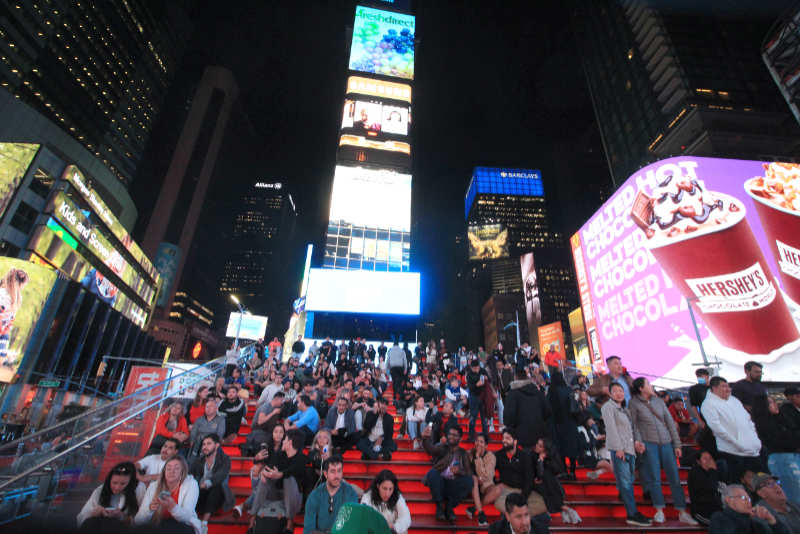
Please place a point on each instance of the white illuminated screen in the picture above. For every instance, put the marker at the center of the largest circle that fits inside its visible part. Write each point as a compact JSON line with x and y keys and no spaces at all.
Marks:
{"x":252,"y":327}
{"x":372,"y":198}
{"x":357,"y":291}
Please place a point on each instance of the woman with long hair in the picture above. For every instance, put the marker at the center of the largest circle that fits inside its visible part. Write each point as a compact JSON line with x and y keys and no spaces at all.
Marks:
{"x":384,"y":496}
{"x":321,"y":449}
{"x":198,"y":406}
{"x":269,"y":453}
{"x":416,"y":415}
{"x":170,"y":424}
{"x":566,"y":425}
{"x":113,"y":502}
{"x":546,"y":468}
{"x":171,"y":501}
{"x":484,"y":491}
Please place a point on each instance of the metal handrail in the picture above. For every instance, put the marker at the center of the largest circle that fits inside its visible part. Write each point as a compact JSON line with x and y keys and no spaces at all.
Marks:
{"x":126,"y":417}
{"x":113,"y":403}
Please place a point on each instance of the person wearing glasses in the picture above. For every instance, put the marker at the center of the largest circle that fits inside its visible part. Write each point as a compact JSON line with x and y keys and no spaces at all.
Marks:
{"x":772,"y":497}
{"x":113,"y":502}
{"x":740,"y":516}
{"x":325,"y":501}
{"x":171,"y":502}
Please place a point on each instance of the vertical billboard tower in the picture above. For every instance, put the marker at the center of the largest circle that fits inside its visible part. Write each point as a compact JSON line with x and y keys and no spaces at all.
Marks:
{"x":369,"y":224}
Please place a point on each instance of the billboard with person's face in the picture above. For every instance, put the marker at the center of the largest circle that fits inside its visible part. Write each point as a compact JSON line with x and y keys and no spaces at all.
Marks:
{"x":24,"y":290}
{"x":696,"y":256}
{"x":530,"y":291}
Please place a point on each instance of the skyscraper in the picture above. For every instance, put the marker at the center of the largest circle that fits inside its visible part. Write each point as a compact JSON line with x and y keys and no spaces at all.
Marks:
{"x":781,"y":53}
{"x":507,"y":220}
{"x":100,"y":70}
{"x":263,"y":224}
{"x":368,"y":241}
{"x":174,"y":219}
{"x":670,"y":80}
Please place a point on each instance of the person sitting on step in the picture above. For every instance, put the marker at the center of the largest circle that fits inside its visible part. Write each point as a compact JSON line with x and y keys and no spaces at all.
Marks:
{"x":384,"y":496}
{"x":450,"y":479}
{"x":377,"y":437}
{"x":484,"y":490}
{"x":516,"y":518}
{"x":324,"y":502}
{"x":515,"y":470}
{"x":211,"y":470}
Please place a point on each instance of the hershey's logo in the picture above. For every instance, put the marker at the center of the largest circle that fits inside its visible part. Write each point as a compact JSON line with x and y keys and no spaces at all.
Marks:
{"x":749,"y":289}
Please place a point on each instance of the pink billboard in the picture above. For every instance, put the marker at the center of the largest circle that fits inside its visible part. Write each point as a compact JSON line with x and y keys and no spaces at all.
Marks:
{"x":719,"y":235}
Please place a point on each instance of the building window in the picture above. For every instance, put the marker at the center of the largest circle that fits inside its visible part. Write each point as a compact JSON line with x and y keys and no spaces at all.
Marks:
{"x":24,"y":218}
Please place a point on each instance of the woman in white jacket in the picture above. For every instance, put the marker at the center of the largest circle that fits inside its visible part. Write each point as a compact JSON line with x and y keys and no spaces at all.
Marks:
{"x":172,"y":500}
{"x":384,"y":496}
{"x":113,"y":502}
{"x":415,"y":419}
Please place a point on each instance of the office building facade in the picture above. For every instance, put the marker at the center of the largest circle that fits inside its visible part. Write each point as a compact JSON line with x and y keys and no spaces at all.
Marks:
{"x":173,"y":222}
{"x":507,"y":221}
{"x":187,"y":330}
{"x":669,"y":81}
{"x":781,"y":53}
{"x":99,"y":70}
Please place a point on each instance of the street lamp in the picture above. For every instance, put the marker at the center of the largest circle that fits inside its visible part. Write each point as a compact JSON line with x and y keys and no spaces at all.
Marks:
{"x":239,"y":325}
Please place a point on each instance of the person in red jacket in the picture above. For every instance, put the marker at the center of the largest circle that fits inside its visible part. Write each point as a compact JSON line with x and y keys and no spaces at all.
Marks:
{"x":171,"y":424}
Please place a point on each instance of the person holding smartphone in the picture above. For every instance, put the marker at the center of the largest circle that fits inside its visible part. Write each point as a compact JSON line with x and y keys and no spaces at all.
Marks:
{"x":171,"y":501}
{"x":113,"y":502}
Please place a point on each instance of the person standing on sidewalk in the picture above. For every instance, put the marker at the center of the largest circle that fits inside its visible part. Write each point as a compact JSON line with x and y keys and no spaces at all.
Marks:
{"x":477,"y":380}
{"x":619,"y":441}
{"x":655,"y":429}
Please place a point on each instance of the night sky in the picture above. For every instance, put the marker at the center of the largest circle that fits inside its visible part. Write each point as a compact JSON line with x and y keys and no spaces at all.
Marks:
{"x":496,"y":84}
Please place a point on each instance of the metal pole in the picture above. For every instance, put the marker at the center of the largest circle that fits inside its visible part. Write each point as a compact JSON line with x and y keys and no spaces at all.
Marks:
{"x":697,"y":333}
{"x":238,"y":329}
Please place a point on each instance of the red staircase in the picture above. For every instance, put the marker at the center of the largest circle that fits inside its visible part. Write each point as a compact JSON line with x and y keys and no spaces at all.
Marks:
{"x":597,"y":501}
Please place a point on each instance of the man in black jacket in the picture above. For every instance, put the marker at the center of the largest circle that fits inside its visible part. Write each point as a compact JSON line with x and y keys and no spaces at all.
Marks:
{"x":211,"y":469}
{"x":790,"y":410}
{"x":233,"y":408}
{"x":450,"y":479}
{"x":515,"y":470}
{"x":517,"y":519}
{"x":341,"y":421}
{"x":477,"y":381}
{"x":527,"y":411}
{"x":739,"y":515}
{"x":376,"y":439}
{"x":443,"y":421}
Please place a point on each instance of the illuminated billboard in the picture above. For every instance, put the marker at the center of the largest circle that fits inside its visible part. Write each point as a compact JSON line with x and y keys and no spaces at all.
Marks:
{"x":372,"y":292}
{"x":719,"y":235}
{"x":24,"y":290}
{"x":15,"y":158}
{"x":530,"y":289}
{"x":363,"y":142}
{"x":383,"y":43}
{"x":372,"y":118}
{"x":247,"y":325}
{"x":371,"y":198}
{"x":551,"y":344}
{"x":379,"y":88}
{"x":487,"y":242}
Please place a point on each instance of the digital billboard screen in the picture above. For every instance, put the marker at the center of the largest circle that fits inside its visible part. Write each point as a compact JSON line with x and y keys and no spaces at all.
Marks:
{"x":379,"y":88}
{"x":362,"y":142}
{"x":15,"y":158}
{"x":719,"y":235}
{"x":251,"y":326}
{"x":371,"y":198}
{"x":24,"y":290}
{"x":551,"y":344}
{"x":530,"y":290}
{"x":356,"y":291}
{"x":383,"y":43}
{"x":487,"y":242}
{"x":373,"y":118}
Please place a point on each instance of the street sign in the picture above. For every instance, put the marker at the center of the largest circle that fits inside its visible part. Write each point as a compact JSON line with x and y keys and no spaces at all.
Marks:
{"x":49,"y":383}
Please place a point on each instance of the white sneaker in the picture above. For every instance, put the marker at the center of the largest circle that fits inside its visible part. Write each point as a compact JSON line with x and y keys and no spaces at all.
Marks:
{"x":416,"y":445}
{"x":684,"y":517}
{"x":204,"y":527}
{"x":659,"y":517}
{"x":491,"y":427}
{"x":593,"y":475}
{"x":575,"y":517}
{"x":237,"y":511}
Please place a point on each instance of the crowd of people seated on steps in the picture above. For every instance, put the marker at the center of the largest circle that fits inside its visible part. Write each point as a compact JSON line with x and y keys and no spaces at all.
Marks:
{"x":322,"y":402}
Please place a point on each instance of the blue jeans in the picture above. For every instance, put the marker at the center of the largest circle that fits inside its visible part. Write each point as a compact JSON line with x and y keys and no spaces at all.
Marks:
{"x":786,"y":466}
{"x":500,"y":408}
{"x":414,"y":429}
{"x":388,"y":446}
{"x":451,"y":490}
{"x":660,"y":457}
{"x":624,"y":472}
{"x":476,"y":407}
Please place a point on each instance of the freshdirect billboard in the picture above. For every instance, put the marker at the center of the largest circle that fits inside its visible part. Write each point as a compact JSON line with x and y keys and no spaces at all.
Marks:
{"x":371,"y":198}
{"x":383,"y":43}
{"x":721,"y":234}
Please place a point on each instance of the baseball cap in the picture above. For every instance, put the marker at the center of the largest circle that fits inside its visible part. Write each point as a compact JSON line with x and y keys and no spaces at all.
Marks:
{"x":761,"y":479}
{"x":791,"y":390}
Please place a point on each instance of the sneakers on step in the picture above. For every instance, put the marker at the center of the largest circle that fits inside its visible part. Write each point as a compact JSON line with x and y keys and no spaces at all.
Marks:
{"x":237,"y":511}
{"x":491,"y":427}
{"x":684,"y":517}
{"x":204,"y":527}
{"x":659,"y":517}
{"x":575,"y":517}
{"x":638,"y":520}
{"x":593,"y":475}
{"x":482,"y":520}
{"x":416,"y":445}
{"x":440,"y":516}
{"x":470,"y":511}
{"x":451,"y":514}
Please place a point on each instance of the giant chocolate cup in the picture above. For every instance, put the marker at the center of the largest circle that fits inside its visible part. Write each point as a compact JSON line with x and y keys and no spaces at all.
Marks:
{"x":782,"y":227}
{"x":734,"y":292}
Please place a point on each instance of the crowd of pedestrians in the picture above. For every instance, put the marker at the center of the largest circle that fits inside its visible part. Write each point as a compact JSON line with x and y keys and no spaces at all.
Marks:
{"x":319,"y":403}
